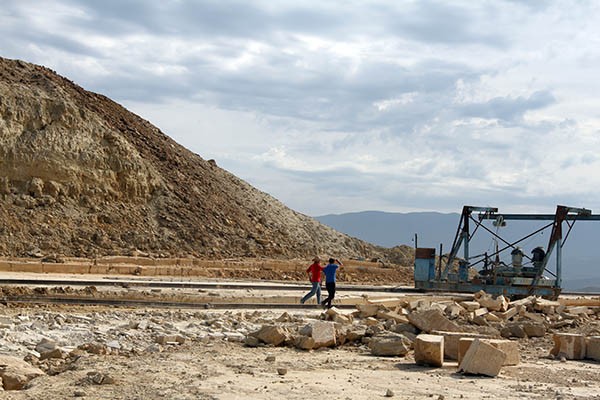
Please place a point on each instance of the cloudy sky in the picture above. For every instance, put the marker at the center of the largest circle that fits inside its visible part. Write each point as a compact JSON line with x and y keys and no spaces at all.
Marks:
{"x":344,"y":106}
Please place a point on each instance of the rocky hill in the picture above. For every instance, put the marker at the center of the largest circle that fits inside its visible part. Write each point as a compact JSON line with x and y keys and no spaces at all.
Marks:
{"x":82,"y":176}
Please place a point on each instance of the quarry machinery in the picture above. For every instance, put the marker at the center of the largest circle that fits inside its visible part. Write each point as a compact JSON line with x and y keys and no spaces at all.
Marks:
{"x":523,"y":276}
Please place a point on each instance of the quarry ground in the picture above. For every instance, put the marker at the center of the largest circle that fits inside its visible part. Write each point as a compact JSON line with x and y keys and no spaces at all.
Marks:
{"x":213,"y":363}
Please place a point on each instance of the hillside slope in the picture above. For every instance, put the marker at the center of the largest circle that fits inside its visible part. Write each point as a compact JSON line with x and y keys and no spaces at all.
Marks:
{"x":82,"y":176}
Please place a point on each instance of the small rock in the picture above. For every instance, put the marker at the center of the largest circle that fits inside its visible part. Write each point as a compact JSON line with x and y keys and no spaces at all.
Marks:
{"x":270,"y":358}
{"x":282,"y":371}
{"x":389,"y":393}
{"x":79,"y":393}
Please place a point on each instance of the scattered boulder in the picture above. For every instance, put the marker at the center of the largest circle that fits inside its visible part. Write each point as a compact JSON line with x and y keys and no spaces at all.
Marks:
{"x":16,"y":373}
{"x":271,"y":334}
{"x":45,"y":345}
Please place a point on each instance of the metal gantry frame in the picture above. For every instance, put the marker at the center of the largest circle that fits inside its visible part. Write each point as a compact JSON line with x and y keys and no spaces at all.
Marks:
{"x":516,"y":286}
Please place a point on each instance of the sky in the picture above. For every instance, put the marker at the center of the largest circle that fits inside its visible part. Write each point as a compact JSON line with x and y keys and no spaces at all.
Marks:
{"x":344,"y":106}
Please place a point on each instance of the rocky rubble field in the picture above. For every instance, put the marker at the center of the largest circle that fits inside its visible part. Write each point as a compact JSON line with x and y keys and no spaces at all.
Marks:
{"x":107,"y":353}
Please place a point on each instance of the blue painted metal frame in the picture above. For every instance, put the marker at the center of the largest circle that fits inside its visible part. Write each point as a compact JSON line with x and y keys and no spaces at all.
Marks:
{"x":512,"y":287}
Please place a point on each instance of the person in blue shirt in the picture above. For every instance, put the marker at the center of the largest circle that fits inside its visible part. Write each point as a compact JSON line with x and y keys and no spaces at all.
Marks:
{"x":330,"y":270}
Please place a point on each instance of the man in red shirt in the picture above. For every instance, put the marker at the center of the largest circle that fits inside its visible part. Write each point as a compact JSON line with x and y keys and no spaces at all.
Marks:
{"x":314,"y":275}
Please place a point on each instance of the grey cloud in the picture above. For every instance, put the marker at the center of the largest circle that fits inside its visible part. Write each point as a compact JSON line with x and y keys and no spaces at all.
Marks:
{"x":507,"y":108}
{"x":444,"y":22}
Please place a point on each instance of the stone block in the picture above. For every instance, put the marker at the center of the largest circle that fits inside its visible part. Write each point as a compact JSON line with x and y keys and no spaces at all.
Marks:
{"x":391,"y":344}
{"x":593,"y":348}
{"x":355,"y":334}
{"x":569,"y":345}
{"x":539,"y":318}
{"x":508,"y":314}
{"x":45,"y":345}
{"x":513,"y":330}
{"x":271,"y":334}
{"x":432,"y":320}
{"x":323,"y":334}
{"x":451,"y":341}
{"x":509,"y":347}
{"x":16,"y":373}
{"x":578,"y":310}
{"x":391,"y":316}
{"x":523,"y":302}
{"x":533,"y":329}
{"x":547,"y":307}
{"x":171,"y":339}
{"x":454,"y":310}
{"x":480,"y":311}
{"x":304,"y":342}
{"x":500,"y":303}
{"x":492,"y":317}
{"x":367,"y":310}
{"x":429,"y":350}
{"x":482,"y":359}
{"x":470,"y":305}
{"x":335,"y":315}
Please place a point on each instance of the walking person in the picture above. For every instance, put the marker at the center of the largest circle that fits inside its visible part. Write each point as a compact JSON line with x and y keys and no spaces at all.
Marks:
{"x":330,"y":270}
{"x":314,"y":275}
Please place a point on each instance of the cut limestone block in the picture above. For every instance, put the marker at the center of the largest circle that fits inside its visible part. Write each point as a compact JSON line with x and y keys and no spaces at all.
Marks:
{"x":511,"y":312}
{"x":523,"y":302}
{"x":429,"y":350}
{"x":500,"y":303}
{"x":367,"y":310}
{"x":577,"y":310}
{"x":533,"y":329}
{"x":454,"y":310}
{"x":432,"y":320}
{"x":391,"y":344}
{"x":451,"y":340}
{"x":568,"y":345}
{"x":593,"y":348}
{"x":470,"y":305}
{"x":392,"y":316}
{"x":509,"y":347}
{"x":482,"y":359}
{"x":492,"y":317}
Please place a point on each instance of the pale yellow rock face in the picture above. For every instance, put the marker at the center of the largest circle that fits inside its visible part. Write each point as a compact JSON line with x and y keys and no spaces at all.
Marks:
{"x":81,"y":176}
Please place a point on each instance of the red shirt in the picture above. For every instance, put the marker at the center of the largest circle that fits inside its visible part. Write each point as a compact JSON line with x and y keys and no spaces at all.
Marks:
{"x":315,"y":272}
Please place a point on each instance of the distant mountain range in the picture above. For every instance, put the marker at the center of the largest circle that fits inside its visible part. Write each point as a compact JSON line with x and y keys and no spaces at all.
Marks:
{"x":580,"y":266}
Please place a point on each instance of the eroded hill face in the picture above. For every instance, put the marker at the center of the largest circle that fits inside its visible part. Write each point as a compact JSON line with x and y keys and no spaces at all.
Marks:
{"x":82,"y":176}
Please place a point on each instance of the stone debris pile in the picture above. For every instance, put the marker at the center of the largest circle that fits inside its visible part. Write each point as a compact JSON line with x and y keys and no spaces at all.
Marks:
{"x":479,"y":333}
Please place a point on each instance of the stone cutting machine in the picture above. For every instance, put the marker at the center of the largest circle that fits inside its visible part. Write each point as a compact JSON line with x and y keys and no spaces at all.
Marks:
{"x":524,"y":276}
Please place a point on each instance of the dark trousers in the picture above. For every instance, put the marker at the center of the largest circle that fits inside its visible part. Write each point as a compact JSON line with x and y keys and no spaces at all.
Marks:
{"x":330,"y":286}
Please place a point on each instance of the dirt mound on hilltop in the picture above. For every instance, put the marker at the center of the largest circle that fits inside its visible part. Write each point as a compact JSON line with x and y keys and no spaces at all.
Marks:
{"x":82,"y":176}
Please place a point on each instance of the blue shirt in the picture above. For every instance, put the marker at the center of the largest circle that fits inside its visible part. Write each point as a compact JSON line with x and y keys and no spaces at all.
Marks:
{"x":329,"y":271}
